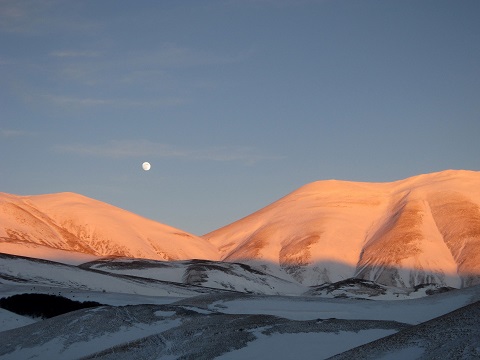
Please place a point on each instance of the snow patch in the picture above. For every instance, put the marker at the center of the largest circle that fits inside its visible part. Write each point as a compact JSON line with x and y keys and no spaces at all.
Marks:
{"x":408,"y":353}
{"x":303,"y":345}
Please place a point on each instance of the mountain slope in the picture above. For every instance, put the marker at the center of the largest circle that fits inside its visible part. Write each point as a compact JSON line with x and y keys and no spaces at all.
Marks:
{"x":148,"y":318}
{"x":425,"y":229}
{"x":451,"y":336}
{"x":209,"y":274}
{"x":174,"y":332}
{"x":34,"y":274}
{"x":44,"y":224}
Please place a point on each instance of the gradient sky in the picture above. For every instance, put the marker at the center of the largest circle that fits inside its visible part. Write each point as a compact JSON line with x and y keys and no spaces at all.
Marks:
{"x":235,"y":103}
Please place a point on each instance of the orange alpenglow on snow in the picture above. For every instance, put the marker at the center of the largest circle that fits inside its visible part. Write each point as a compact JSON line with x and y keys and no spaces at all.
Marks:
{"x":404,"y":233}
{"x":425,"y":229}
{"x":71,"y":227}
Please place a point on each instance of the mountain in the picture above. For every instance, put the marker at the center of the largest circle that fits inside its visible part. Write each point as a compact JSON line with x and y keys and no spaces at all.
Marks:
{"x":421,"y":230}
{"x":255,"y":288}
{"x":72,"y":228}
{"x":424,"y":229}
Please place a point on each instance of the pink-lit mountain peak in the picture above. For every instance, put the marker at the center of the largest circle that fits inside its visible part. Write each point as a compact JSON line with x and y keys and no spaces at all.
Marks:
{"x":74,"y":223}
{"x":421,"y":229}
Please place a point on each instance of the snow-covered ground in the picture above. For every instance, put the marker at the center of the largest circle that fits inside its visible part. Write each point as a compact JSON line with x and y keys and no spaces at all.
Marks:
{"x":156,"y":319}
{"x":303,"y":345}
{"x":173,"y":331}
{"x":405,"y":255}
{"x":10,"y":320}
{"x":452,"y":336}
{"x":18,"y":270}
{"x":210,"y":274}
{"x":235,"y":326}
{"x":307,"y":308}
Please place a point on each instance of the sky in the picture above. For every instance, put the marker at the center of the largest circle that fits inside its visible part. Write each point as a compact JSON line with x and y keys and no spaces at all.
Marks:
{"x":235,"y":103}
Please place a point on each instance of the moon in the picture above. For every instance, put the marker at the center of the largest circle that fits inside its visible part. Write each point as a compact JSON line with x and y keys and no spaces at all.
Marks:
{"x":146,"y":166}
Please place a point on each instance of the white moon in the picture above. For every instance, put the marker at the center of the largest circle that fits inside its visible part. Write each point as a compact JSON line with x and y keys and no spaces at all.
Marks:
{"x":146,"y":166}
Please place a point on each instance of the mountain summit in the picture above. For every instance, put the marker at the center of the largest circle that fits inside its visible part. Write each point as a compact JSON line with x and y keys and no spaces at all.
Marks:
{"x":424,"y":229}
{"x":68,"y":225}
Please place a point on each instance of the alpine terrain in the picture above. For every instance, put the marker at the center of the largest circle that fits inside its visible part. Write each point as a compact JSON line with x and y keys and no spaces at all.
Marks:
{"x":424,"y":229}
{"x":336,"y":269}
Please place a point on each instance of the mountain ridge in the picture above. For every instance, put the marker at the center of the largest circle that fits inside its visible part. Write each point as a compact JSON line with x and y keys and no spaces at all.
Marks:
{"x":399,"y":233}
{"x":75,"y":223}
{"x":422,"y":229}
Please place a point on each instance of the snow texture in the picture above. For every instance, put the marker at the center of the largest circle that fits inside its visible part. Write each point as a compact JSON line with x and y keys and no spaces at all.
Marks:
{"x":335,"y":269}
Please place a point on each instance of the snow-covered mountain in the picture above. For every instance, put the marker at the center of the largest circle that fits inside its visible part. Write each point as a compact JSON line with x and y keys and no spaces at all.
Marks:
{"x":424,"y":229}
{"x":292,"y":280}
{"x":73,"y":228}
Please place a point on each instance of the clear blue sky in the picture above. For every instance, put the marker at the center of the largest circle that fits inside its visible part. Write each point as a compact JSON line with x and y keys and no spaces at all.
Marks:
{"x":235,"y":103}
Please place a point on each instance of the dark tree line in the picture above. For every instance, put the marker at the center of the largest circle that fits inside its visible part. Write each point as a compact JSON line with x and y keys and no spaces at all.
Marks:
{"x":43,"y":305}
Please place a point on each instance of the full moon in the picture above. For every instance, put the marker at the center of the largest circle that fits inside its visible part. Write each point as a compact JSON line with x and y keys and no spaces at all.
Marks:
{"x":146,"y":166}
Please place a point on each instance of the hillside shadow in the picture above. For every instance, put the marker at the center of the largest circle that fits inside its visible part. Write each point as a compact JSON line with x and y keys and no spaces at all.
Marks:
{"x":196,"y":272}
{"x":316,"y":273}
